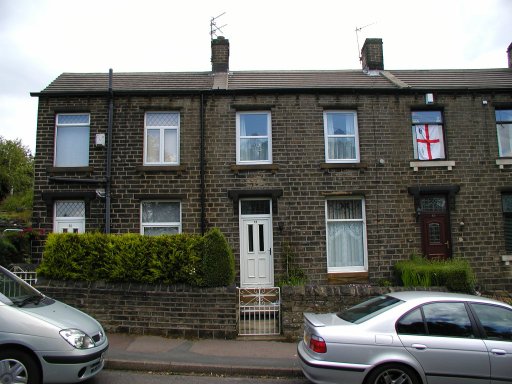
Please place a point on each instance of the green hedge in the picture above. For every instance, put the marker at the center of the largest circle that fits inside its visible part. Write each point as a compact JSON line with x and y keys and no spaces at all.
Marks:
{"x":455,"y":274}
{"x":170,"y":259}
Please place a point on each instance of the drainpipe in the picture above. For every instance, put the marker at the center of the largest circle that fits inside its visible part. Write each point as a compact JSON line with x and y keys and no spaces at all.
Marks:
{"x":109,"y":151}
{"x":202,"y":164}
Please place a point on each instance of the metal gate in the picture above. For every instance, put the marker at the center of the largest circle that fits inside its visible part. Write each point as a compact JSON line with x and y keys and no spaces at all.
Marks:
{"x":259,"y":311}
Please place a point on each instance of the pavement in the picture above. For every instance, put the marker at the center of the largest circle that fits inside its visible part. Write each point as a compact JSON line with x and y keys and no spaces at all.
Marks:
{"x":244,"y":357}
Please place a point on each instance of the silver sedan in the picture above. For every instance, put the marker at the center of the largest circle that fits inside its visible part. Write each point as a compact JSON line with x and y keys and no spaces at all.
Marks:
{"x":410,"y":338}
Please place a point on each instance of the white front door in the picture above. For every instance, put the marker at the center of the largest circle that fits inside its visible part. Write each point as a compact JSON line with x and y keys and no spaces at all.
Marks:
{"x":69,"y":226}
{"x":256,"y":261}
{"x":69,"y":216}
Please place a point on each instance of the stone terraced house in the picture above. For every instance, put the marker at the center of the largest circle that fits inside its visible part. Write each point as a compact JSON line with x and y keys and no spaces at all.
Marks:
{"x":351,"y":170}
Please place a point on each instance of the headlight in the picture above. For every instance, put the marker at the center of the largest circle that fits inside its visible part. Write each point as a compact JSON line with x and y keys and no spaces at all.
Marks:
{"x":77,"y":338}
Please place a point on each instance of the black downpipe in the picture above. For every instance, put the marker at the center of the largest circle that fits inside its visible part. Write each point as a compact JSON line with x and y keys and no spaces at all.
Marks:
{"x":202,"y":165}
{"x":109,"y":151}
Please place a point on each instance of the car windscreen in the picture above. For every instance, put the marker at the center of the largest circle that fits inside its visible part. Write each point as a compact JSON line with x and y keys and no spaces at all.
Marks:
{"x":15,"y":291}
{"x":368,"y":309}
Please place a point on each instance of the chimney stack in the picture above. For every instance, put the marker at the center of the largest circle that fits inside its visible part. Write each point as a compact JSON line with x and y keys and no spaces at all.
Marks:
{"x":372,"y":56}
{"x":220,"y":54}
{"x":509,"y":51}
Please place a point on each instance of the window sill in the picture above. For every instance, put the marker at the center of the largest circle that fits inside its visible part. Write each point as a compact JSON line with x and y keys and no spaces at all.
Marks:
{"x":347,"y":277}
{"x":61,"y":170}
{"x":179,"y":169}
{"x":502,"y":162}
{"x":343,"y":165}
{"x":432,"y":163}
{"x":237,"y":168}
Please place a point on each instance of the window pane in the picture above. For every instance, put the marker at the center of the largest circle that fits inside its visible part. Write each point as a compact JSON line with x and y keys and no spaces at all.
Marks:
{"x":497,"y":321}
{"x":170,"y":146}
{"x":73,"y":119}
{"x":342,"y":148}
{"x":344,"y":209}
{"x":70,"y":208}
{"x":504,"y":115}
{"x":505,"y":139}
{"x":160,"y":212}
{"x":411,"y":324}
{"x":262,"y":238}
{"x":368,"y":309}
{"x":433,"y":204}
{"x":448,"y":319}
{"x":162,"y":119}
{"x":153,"y":146}
{"x":345,"y":244}
{"x":429,"y":141}
{"x":250,"y":236}
{"x":253,"y":149}
{"x":425,"y":117}
{"x":340,"y":123}
{"x":255,"y":207}
{"x":507,"y":203}
{"x":157,"y":231}
{"x":72,"y":147}
{"x":252,"y":124}
{"x":434,"y":233}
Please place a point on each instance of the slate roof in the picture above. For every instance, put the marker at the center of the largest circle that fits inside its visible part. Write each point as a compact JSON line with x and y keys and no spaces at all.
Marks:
{"x":147,"y":82}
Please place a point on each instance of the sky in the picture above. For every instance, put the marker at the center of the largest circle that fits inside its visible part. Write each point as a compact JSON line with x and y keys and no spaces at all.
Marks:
{"x":40,"y":39}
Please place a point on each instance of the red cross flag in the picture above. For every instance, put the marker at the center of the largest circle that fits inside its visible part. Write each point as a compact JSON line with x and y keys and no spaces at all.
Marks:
{"x":429,"y":139}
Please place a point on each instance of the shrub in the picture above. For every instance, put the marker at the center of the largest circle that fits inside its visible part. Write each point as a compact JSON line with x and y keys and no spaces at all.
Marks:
{"x":455,"y":274}
{"x":169,"y":259}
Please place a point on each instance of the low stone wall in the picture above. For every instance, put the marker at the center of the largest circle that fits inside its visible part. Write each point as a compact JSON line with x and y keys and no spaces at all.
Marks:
{"x":178,"y":311}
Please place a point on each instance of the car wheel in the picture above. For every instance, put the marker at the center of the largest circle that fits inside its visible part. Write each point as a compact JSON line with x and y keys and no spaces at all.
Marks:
{"x":18,"y":367}
{"x":392,"y":374}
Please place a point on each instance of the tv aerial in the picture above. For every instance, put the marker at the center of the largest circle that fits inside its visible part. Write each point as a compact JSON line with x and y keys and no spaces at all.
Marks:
{"x":214,"y":28}
{"x":357,"y":38}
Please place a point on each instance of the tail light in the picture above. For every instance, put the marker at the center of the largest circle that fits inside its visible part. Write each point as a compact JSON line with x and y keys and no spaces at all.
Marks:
{"x":317,"y":344}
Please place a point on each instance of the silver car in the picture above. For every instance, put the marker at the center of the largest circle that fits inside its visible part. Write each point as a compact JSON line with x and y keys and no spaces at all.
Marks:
{"x":43,"y":340}
{"x":411,"y":338}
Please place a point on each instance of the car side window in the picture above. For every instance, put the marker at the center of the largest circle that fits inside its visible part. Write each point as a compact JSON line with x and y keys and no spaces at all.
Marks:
{"x":448,"y":320}
{"x":412,"y":324}
{"x":497,"y":321}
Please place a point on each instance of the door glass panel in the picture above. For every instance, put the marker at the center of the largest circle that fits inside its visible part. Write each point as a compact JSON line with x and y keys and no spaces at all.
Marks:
{"x":433,"y":204}
{"x":262,"y":238}
{"x":434,"y":233}
{"x":255,"y":207}
{"x":250,"y":237}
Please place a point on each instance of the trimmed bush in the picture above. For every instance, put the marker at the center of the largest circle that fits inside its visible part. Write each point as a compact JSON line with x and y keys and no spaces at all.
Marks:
{"x":170,"y":259}
{"x":455,"y":274}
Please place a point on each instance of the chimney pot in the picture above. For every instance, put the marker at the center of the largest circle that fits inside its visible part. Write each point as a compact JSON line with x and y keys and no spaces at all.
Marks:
{"x":509,"y":52}
{"x":372,"y":56}
{"x":220,"y":54}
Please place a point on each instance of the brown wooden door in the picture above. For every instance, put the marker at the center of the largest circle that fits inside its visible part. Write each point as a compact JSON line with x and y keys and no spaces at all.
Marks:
{"x":435,"y":235}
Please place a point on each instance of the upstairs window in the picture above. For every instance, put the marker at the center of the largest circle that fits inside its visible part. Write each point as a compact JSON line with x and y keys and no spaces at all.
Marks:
{"x":428,"y":135}
{"x":160,"y":218}
{"x":341,"y":137}
{"x":504,"y":129}
{"x":72,"y":140}
{"x":162,"y":130}
{"x":254,"y":139}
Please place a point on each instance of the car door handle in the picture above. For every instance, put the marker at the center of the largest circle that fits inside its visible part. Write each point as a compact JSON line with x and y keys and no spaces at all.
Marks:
{"x":419,"y":346}
{"x":499,"y":352}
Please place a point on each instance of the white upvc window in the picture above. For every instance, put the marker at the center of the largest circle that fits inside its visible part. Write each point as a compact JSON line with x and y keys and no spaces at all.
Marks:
{"x":72,"y":140}
{"x":504,"y":129}
{"x":162,"y":138}
{"x":346,"y":235}
{"x":253,"y":138}
{"x":160,"y":217}
{"x":341,"y":137}
{"x":428,"y":135}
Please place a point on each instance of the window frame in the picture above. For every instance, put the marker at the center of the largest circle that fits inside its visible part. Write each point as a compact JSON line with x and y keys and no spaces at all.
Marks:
{"x":428,"y":122}
{"x":327,"y":136}
{"x":59,"y":126}
{"x":239,"y":137}
{"x":168,"y":224}
{"x":503,"y":122}
{"x":162,"y":130}
{"x":362,"y":220}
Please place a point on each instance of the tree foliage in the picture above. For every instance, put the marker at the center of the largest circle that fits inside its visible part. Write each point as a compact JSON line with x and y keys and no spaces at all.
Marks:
{"x":16,"y":168}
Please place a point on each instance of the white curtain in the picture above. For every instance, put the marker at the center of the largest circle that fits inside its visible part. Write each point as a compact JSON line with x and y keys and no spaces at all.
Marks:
{"x":345,"y":244}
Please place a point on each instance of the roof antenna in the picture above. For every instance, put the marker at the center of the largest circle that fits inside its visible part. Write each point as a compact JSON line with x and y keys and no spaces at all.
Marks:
{"x":357,"y":38}
{"x":214,"y":28}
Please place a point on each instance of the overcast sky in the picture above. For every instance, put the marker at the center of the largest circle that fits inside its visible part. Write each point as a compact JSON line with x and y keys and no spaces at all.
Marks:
{"x":40,"y":39}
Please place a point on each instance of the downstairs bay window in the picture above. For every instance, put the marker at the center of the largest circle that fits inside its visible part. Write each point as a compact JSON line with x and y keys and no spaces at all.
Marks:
{"x":346,"y":235}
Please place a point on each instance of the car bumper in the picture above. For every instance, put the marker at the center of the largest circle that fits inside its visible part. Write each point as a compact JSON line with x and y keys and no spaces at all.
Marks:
{"x":73,"y":368}
{"x":327,"y":372}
